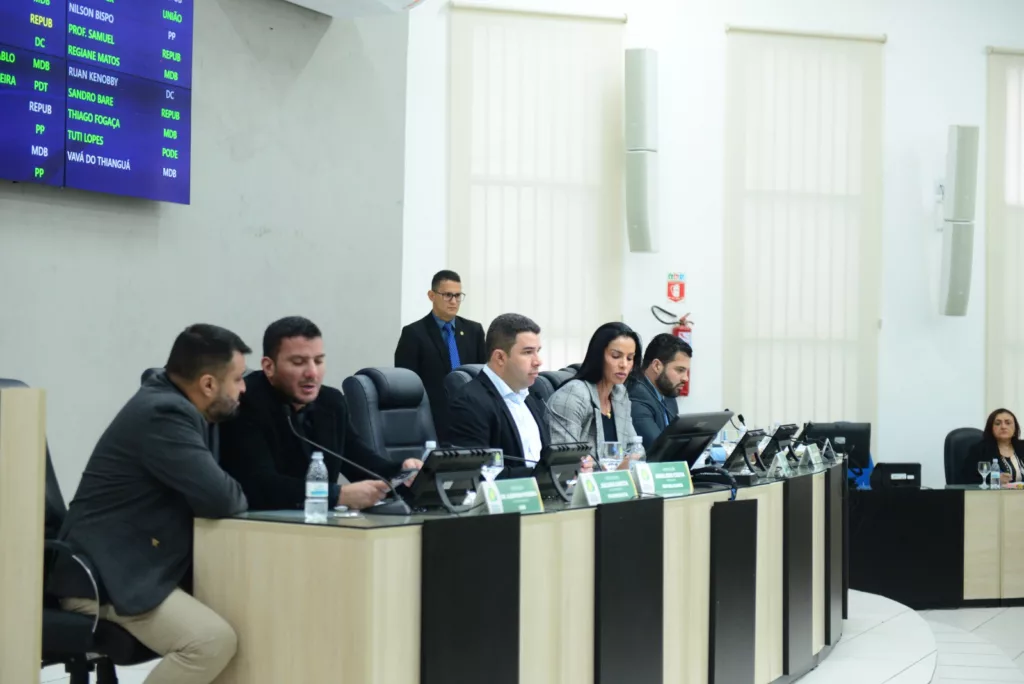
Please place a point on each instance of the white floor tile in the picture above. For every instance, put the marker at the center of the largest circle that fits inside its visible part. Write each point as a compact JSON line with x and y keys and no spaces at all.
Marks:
{"x":53,"y":673}
{"x":919,"y":673}
{"x":985,"y":674}
{"x":977,"y":660}
{"x":967,"y":619}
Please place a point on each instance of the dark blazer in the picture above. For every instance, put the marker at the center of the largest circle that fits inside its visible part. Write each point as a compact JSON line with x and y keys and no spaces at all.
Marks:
{"x":261,"y":452}
{"x":480,"y":418}
{"x":151,"y":474}
{"x":423,"y":350}
{"x":648,"y":411}
{"x":985,"y":451}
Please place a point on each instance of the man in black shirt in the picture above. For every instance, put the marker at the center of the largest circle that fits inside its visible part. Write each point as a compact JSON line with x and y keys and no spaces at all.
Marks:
{"x":258,"y":447}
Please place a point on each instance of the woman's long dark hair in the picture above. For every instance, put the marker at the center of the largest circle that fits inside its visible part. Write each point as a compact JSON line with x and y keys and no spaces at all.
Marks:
{"x":990,"y":433}
{"x":592,"y":369}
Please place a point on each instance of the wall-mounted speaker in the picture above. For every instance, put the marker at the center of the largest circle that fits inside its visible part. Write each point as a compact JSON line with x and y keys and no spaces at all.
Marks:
{"x":642,"y":150}
{"x":642,"y":200}
{"x":957,"y":257}
{"x":961,"y":173}
{"x":958,"y":198}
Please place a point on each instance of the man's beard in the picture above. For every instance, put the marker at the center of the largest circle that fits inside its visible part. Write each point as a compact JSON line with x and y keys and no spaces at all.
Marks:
{"x":665,"y":386}
{"x":222,"y":408}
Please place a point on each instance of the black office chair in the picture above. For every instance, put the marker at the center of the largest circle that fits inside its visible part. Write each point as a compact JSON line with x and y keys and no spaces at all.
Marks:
{"x":454,"y":381}
{"x":558,"y":378}
{"x":79,"y":642}
{"x":391,"y":411}
{"x":542,"y":388}
{"x":956,"y":450}
{"x":574,"y":367}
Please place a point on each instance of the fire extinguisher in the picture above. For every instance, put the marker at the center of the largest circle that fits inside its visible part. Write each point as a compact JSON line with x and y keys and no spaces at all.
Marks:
{"x":682,"y":327}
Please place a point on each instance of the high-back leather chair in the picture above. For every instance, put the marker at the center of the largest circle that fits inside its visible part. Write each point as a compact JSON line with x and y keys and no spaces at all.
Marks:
{"x":542,"y":388}
{"x":391,"y":411}
{"x":79,"y":642}
{"x":957,"y":448}
{"x":454,"y":381}
{"x":558,"y":378}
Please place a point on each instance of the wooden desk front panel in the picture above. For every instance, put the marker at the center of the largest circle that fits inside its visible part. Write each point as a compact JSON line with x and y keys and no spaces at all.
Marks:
{"x":313,"y":603}
{"x":769,"y":580}
{"x":22,"y":496}
{"x":687,"y":577}
{"x":818,"y":586}
{"x":982,"y":546}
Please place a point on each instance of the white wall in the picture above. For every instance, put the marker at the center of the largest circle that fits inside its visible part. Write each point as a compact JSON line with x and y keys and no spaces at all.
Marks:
{"x":931,"y":368}
{"x":297,"y":184}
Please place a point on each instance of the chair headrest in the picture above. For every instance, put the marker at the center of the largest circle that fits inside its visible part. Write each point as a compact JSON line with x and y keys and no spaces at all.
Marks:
{"x":9,"y":383}
{"x":471,"y":369}
{"x":396,"y":387}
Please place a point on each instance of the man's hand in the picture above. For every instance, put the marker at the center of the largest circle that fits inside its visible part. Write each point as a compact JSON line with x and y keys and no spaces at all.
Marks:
{"x":365,"y":494}
{"x":411,"y":464}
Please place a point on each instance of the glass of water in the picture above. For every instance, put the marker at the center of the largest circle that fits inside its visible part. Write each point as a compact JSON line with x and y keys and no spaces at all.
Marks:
{"x":610,"y":455}
{"x":494,"y":464}
{"x":635,"y":451}
{"x":983,"y":469}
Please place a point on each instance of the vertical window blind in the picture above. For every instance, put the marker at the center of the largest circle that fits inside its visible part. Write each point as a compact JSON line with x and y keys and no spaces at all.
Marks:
{"x":803,"y":215}
{"x":536,"y":158}
{"x":1004,"y":232}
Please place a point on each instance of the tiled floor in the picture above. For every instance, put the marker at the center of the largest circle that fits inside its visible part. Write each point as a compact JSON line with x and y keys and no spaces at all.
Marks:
{"x":883,"y":643}
{"x":978,"y":645}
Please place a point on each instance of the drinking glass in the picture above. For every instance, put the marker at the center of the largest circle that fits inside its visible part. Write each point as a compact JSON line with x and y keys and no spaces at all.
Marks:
{"x":494,"y":464}
{"x":983,"y":469}
{"x":635,"y":451}
{"x":610,"y":455}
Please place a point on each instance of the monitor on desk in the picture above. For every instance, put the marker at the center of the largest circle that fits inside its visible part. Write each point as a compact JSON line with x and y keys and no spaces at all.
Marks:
{"x":446,"y":476}
{"x":744,"y":454}
{"x":558,"y":464}
{"x":686,"y":438}
{"x":780,"y":441}
{"x":851,"y":439}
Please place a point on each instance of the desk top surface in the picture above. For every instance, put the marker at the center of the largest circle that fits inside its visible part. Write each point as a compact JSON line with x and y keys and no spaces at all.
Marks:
{"x":368,"y":521}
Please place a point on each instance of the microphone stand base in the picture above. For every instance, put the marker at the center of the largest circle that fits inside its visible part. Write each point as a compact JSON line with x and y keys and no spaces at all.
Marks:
{"x":392,"y":507}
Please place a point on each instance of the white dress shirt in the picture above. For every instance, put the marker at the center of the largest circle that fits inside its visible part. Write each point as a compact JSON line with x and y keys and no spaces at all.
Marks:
{"x":526,"y":424}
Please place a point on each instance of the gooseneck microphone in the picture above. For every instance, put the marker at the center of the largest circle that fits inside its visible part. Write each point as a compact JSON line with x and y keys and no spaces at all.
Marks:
{"x":396,"y":507}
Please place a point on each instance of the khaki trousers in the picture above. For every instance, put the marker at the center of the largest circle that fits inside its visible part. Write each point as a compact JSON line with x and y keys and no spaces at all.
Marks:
{"x":195,"y":642}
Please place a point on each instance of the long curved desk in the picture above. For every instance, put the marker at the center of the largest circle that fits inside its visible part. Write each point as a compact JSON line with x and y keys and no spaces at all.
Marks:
{"x":698,"y":589}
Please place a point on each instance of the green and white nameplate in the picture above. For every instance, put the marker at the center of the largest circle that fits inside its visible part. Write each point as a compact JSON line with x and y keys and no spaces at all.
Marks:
{"x":811,"y":456}
{"x":521,"y":495}
{"x":663,"y":479}
{"x":780,"y":464}
{"x":598,"y":488}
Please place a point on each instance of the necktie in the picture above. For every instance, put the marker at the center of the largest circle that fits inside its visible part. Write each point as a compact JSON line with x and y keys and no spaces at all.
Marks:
{"x":453,"y":350}
{"x":664,"y":409}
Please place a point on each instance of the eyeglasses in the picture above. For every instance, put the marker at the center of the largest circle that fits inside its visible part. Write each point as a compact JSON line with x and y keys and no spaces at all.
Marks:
{"x":452,"y":296}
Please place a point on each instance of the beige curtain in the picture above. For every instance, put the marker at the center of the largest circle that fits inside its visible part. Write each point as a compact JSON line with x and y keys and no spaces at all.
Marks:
{"x":803,"y":216}
{"x":536,"y":157}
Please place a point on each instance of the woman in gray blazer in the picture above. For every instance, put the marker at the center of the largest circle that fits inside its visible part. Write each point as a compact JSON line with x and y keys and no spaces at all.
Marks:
{"x":594,"y":406}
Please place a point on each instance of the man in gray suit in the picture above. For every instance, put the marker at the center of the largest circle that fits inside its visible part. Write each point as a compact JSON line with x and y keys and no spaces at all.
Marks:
{"x":152,"y":472}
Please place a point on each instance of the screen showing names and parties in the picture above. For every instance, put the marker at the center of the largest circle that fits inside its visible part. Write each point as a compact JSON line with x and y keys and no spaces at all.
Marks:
{"x":98,"y":95}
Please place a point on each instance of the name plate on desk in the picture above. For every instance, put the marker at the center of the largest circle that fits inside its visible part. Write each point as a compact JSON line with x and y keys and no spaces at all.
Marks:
{"x":598,"y":488}
{"x":663,"y":479}
{"x":811,"y":456}
{"x":520,"y":495}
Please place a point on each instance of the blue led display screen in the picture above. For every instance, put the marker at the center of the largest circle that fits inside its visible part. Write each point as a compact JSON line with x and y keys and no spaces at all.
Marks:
{"x":96,"y":95}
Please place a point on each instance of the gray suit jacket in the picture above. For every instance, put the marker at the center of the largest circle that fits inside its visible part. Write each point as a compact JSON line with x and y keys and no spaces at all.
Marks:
{"x":574,"y":414}
{"x":151,"y":474}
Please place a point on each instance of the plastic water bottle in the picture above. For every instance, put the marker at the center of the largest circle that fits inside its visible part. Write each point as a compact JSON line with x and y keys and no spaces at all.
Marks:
{"x":994,"y":473}
{"x":427,"y":448}
{"x":316,"y":490}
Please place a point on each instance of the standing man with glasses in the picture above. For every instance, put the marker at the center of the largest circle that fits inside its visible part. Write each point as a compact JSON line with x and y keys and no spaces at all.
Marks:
{"x":440,"y":342}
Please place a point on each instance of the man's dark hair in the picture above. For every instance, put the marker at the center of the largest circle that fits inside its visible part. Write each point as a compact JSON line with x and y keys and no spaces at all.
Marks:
{"x":201,"y":349}
{"x":664,"y":347}
{"x":280,"y":330}
{"x":504,"y":329}
{"x":444,"y":275}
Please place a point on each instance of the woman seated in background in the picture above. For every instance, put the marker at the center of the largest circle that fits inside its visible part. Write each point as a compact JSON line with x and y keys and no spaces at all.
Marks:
{"x":594,"y":406}
{"x":1000,"y":442}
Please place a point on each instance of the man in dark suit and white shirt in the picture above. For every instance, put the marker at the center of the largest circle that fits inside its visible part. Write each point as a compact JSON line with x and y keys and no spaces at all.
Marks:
{"x":440,"y":342}
{"x":151,"y":474}
{"x":496,"y":408}
{"x":653,"y":395}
